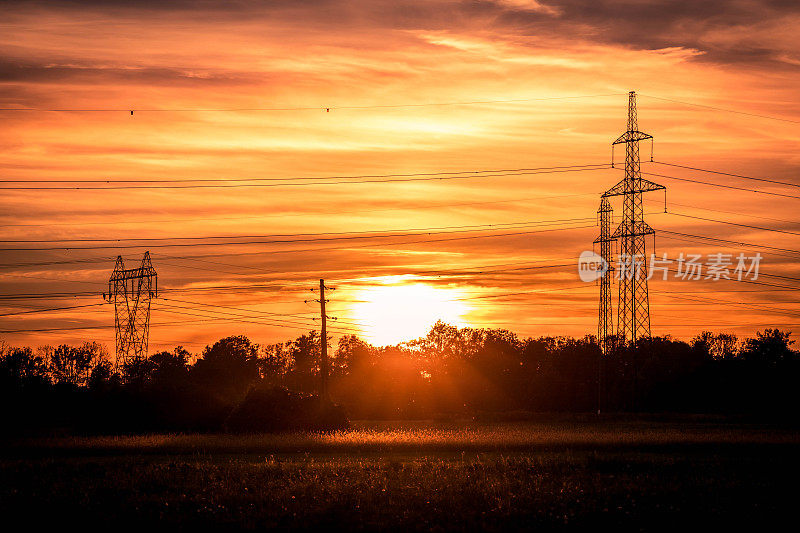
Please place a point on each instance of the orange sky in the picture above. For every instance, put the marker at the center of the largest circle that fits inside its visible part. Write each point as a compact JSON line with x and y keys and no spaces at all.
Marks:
{"x":162,"y":56}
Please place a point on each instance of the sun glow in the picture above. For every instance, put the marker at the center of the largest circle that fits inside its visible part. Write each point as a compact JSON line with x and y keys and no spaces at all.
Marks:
{"x":401,"y":311}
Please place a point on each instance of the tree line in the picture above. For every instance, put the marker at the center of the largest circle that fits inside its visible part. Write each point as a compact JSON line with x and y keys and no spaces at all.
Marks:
{"x":236,"y":384}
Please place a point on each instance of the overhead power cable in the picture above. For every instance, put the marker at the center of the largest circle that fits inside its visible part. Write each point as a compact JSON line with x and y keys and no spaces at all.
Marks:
{"x":712,"y":184}
{"x":721,"y":185}
{"x":400,"y":232}
{"x":300,"y":108}
{"x":293,"y":315}
{"x":307,"y":178}
{"x":249,"y":319}
{"x":323,"y":181}
{"x":749,"y":226}
{"x":176,"y":323}
{"x":296,"y":214}
{"x":729,"y":241}
{"x":726,"y":110}
{"x":741,"y":176}
{"x":36,"y":311}
{"x":292,"y":241}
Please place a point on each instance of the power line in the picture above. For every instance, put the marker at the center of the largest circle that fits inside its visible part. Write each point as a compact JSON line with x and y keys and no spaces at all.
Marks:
{"x":749,"y":226}
{"x":176,"y":323}
{"x":723,"y":109}
{"x":292,"y":241}
{"x":738,"y":213}
{"x":765,"y":180}
{"x":51,"y":309}
{"x":234,"y":308}
{"x":75,"y":328}
{"x":340,"y":234}
{"x":196,"y":257}
{"x":754,"y":306}
{"x":257,"y":288}
{"x":307,"y":178}
{"x":284,"y":215}
{"x":283,"y":288}
{"x":782,"y":195}
{"x":199,"y":257}
{"x":728,"y":241}
{"x":576,"y":168}
{"x":245,"y":318}
{"x":301,"y":108}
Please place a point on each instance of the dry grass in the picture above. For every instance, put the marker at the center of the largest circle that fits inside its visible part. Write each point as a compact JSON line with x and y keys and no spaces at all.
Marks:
{"x":429,"y":437}
{"x":412,"y":476}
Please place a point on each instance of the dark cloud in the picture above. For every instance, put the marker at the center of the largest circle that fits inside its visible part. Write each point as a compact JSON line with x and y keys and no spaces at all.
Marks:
{"x":724,"y":31}
{"x":40,"y":72}
{"x":677,"y":23}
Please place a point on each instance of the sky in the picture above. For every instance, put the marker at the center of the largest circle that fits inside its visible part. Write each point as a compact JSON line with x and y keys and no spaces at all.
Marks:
{"x":344,"y":116}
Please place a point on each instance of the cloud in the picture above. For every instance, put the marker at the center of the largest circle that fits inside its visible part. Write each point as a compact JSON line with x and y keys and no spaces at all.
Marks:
{"x":184,"y":55}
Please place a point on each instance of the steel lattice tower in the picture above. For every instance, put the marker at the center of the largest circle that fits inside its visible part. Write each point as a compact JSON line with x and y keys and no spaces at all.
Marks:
{"x":605,"y":324}
{"x":633,"y":307}
{"x":131,"y":291}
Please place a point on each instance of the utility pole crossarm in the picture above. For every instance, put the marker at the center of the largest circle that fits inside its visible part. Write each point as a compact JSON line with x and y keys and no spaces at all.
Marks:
{"x":640,"y":185}
{"x":632,"y":136}
{"x":638,"y":229}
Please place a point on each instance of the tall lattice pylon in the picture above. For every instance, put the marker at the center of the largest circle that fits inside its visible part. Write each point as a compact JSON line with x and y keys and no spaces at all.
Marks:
{"x":633,"y":307}
{"x":130,"y":290}
{"x":605,"y":323}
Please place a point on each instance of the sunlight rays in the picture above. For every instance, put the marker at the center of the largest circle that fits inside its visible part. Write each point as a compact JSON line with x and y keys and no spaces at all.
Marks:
{"x":398,"y":308}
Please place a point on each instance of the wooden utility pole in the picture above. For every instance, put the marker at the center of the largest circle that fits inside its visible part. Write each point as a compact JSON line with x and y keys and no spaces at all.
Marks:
{"x":324,"y":342}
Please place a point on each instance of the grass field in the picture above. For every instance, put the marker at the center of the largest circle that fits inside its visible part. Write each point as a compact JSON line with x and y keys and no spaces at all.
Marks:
{"x":557,"y":474}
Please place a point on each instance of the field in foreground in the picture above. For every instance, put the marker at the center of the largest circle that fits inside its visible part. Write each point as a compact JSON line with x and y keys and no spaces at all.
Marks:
{"x":552,"y":475}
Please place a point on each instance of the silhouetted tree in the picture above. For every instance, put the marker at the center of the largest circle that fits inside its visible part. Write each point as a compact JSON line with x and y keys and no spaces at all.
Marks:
{"x":352,"y":355}
{"x":717,"y":345}
{"x":20,"y":366}
{"x":228,"y":368}
{"x":275,"y":362}
{"x":137,"y":372}
{"x":449,"y":371}
{"x":102,"y":377}
{"x":69,"y":364}
{"x":169,"y":369}
{"x":770,"y":347}
{"x":305,"y":352}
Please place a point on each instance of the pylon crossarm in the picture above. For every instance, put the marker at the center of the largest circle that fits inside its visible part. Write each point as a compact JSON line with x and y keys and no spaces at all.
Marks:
{"x":616,"y":190}
{"x":624,"y":230}
{"x":638,"y":185}
{"x":604,"y":239}
{"x":635,"y":234}
{"x":643,"y":185}
{"x":132,"y":273}
{"x":632,"y":136}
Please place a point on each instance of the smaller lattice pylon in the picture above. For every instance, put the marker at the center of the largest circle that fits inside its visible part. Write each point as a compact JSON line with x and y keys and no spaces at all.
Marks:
{"x":605,"y":323}
{"x":131,"y":290}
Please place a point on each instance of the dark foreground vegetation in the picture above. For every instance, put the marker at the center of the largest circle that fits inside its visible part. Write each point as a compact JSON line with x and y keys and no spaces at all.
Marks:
{"x":562,"y":473}
{"x":236,"y":385}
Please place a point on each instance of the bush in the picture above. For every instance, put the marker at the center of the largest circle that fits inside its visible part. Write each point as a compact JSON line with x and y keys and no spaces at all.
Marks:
{"x":269,"y":409}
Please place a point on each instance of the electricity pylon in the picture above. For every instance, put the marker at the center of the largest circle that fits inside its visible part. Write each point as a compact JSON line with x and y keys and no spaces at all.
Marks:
{"x":131,"y":291}
{"x":633,"y":307}
{"x":605,"y":323}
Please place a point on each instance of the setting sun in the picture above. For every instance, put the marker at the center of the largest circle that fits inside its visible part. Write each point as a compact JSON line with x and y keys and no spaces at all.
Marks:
{"x":399,"y":311}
